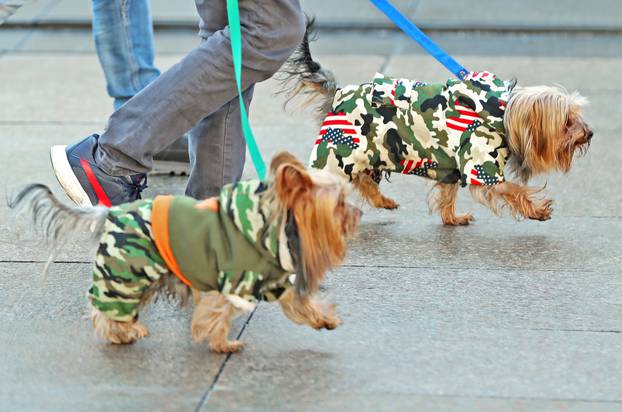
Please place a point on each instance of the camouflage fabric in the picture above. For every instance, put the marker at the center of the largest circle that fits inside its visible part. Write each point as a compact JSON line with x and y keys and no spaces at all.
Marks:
{"x":450,"y":132}
{"x":127,"y":262}
{"x":244,"y":205}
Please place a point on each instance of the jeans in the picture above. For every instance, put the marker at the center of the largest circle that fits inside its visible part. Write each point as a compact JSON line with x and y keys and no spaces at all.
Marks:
{"x":199,"y":93}
{"x":123,"y":33}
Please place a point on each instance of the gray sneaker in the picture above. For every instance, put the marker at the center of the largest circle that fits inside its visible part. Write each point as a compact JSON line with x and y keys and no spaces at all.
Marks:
{"x":174,"y":160}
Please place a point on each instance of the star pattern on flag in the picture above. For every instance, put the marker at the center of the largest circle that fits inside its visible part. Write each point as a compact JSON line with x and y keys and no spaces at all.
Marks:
{"x":484,"y":177}
{"x":336,"y":136}
{"x":423,"y":169}
{"x":474,"y":125}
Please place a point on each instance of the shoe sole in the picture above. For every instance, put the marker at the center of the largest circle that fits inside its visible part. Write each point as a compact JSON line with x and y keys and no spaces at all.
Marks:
{"x":164,"y":167}
{"x":67,"y":178}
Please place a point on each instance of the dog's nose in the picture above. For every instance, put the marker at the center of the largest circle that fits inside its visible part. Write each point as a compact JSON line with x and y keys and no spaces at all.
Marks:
{"x":590,"y":134}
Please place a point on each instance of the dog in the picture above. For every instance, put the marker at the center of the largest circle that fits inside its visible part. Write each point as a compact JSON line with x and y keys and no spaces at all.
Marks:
{"x":461,"y":133}
{"x":239,"y":248}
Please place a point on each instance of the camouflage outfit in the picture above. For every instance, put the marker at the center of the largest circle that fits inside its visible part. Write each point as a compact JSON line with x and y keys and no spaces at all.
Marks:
{"x":127,"y":261}
{"x":451,"y":133}
{"x":227,"y":245}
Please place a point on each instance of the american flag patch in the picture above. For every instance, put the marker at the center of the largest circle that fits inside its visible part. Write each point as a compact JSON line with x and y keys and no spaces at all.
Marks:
{"x":337,"y":129}
{"x":467,"y":118}
{"x":420,"y":168}
{"x":480,"y":177}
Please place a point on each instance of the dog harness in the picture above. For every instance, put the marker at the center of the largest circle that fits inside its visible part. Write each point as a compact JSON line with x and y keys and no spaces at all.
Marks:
{"x":230,"y":246}
{"x":451,"y":133}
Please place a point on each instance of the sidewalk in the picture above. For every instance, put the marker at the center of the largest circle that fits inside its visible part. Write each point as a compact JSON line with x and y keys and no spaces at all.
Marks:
{"x":497,"y":316}
{"x":525,"y":15}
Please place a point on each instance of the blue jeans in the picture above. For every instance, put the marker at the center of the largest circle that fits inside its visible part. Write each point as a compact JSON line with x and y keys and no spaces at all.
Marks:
{"x":123,"y":33}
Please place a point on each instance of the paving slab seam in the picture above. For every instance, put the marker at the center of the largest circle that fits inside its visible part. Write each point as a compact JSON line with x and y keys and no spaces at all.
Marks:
{"x":205,"y":398}
{"x":60,"y":262}
{"x":49,"y":123}
{"x":520,"y":398}
{"x":578,"y":330}
{"x":354,"y":266}
{"x":495,"y":269}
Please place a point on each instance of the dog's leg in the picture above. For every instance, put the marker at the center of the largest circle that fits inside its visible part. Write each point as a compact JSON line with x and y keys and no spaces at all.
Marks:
{"x":370,"y":191}
{"x":212,"y":321}
{"x":196,"y":296}
{"x":445,"y":204}
{"x":522,"y":201}
{"x":117,"y":332}
{"x":309,"y":311}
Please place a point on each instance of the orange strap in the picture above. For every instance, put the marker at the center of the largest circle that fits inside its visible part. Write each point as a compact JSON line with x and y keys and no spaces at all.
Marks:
{"x":210,"y":203}
{"x":159,"y":224}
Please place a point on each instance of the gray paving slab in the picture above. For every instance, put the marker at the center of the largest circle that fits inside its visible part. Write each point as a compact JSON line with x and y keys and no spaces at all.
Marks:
{"x":175,"y":12}
{"x":66,"y":41}
{"x":574,"y":45}
{"x":164,"y":13}
{"x":519,"y":15}
{"x":51,"y":360}
{"x":70,"y":89}
{"x":585,"y":74}
{"x":348,"y":13}
{"x":570,"y":15}
{"x":386,"y":401}
{"x":30,"y":12}
{"x":399,"y":341}
{"x":12,"y":39}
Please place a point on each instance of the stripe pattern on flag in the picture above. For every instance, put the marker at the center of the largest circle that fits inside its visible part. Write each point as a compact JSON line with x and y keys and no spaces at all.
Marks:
{"x":420,"y":168}
{"x":467,"y":118}
{"x":337,"y":129}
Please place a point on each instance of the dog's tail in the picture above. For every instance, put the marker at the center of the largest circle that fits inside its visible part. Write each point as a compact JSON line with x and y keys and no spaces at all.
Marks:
{"x":57,"y":221}
{"x":301,"y":75}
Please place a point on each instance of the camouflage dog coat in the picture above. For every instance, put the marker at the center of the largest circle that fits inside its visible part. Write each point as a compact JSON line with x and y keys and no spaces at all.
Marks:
{"x":235,"y":250}
{"x":451,"y":133}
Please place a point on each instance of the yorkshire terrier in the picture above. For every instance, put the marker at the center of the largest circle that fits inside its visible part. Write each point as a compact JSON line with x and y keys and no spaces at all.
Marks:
{"x":461,"y":133}
{"x":259,"y":240}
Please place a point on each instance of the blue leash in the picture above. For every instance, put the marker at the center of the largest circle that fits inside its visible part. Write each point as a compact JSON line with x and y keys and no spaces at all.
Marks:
{"x":385,"y":6}
{"x":420,"y":37}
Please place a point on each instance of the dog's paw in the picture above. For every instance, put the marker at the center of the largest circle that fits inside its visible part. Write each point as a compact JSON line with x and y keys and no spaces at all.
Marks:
{"x":461,"y":220}
{"x":229,"y":346}
{"x":389,"y":204}
{"x":543,"y":211}
{"x":330,"y":323}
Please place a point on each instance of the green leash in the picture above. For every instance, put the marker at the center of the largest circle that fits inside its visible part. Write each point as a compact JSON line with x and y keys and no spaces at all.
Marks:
{"x":233,"y":13}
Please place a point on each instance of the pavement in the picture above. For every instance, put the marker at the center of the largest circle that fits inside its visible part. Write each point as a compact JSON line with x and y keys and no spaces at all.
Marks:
{"x":500,"y":315}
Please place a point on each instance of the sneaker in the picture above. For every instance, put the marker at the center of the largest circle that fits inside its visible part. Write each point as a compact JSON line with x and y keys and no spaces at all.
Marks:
{"x":174,"y":160}
{"x":85,"y":183}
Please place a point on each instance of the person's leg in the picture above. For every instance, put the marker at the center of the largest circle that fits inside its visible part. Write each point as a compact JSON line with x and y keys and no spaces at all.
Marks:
{"x":199,"y":85}
{"x":123,"y":34}
{"x":217,"y":150}
{"x":217,"y":145}
{"x":196,"y":87}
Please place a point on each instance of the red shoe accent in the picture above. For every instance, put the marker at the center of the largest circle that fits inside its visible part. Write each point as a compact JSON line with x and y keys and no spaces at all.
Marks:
{"x":101,"y":195}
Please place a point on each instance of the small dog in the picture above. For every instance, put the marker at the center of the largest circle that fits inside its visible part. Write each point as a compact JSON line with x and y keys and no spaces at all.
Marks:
{"x":238,"y":248}
{"x":462,"y":133}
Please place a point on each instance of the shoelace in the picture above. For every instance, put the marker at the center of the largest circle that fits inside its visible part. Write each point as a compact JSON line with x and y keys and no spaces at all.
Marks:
{"x":135,"y":186}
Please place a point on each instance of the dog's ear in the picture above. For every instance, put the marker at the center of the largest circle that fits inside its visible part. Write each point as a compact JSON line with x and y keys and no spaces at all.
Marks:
{"x":292,"y":183}
{"x":282,"y":158}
